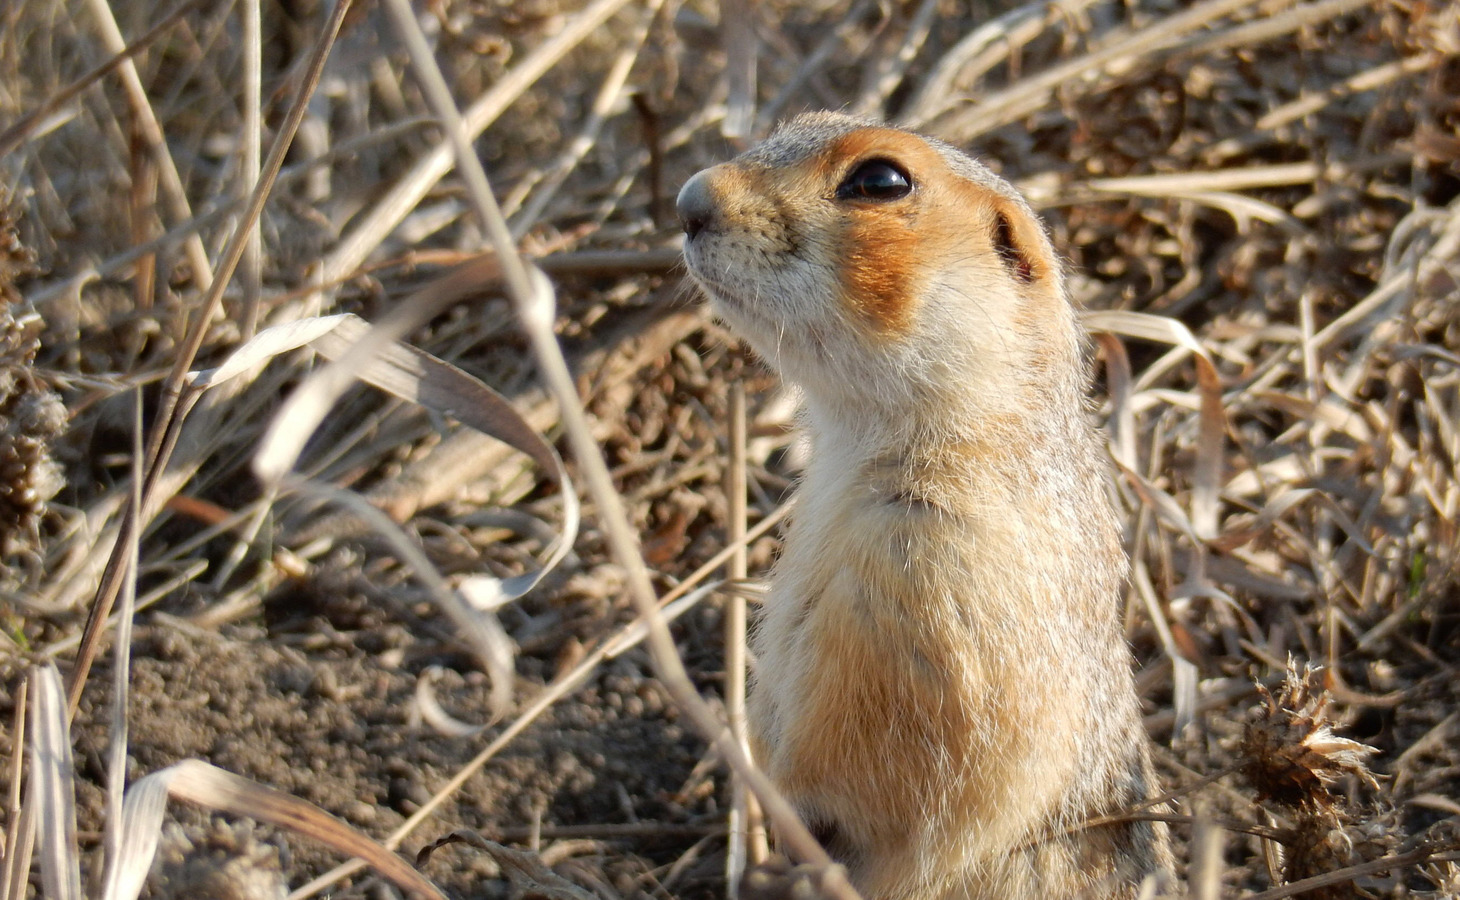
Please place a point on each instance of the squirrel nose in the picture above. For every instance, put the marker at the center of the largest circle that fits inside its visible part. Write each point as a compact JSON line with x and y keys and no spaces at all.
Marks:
{"x":696,"y":205}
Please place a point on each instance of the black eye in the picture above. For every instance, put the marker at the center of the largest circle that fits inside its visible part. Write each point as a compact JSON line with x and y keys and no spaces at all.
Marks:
{"x":877,"y":180}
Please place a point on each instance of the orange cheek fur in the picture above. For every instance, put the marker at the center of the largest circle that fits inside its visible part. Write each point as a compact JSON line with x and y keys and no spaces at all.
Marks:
{"x":882,"y":246}
{"x":880,"y":280}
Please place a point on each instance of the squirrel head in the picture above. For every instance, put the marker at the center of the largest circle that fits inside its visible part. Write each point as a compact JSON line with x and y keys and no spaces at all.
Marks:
{"x":871,"y":265}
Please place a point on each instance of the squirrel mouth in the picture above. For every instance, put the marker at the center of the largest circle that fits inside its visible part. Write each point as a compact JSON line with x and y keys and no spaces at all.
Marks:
{"x":723,"y":297}
{"x":710,"y":279}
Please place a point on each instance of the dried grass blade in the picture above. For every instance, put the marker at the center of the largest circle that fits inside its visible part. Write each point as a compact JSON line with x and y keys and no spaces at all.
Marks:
{"x":1183,"y":671}
{"x":263,"y":347}
{"x":1207,"y":470}
{"x":252,"y":102}
{"x":481,"y":630}
{"x":574,"y":153}
{"x":1367,"y":80}
{"x":1408,"y":259}
{"x":1122,"y":422}
{"x":815,"y":62}
{"x":1271,"y":26}
{"x":1161,"y":503}
{"x":738,"y":853}
{"x":1206,"y":865}
{"x":238,"y":240}
{"x":430,"y":711}
{"x":968,"y":60}
{"x":737,"y":36}
{"x":52,"y":786}
{"x":1029,"y":94}
{"x":889,"y":70}
{"x":371,"y":354}
{"x":146,"y":118}
{"x":140,"y":827}
{"x":397,"y":202}
{"x":1237,"y":178}
{"x":1244,"y":209}
{"x":415,"y":375}
{"x":206,"y":785}
{"x":306,"y":407}
{"x":15,"y":864}
{"x":122,"y":657}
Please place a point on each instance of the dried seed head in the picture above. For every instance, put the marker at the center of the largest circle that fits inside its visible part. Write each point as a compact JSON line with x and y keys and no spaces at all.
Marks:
{"x":1328,"y":838}
{"x":1289,"y":751}
{"x":31,"y":416}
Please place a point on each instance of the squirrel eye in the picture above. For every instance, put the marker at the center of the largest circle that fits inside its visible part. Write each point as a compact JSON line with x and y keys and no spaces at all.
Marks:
{"x":877,"y":180}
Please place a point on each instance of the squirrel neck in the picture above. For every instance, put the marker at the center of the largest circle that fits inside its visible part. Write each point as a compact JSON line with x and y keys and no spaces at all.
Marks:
{"x":946,"y":445}
{"x":1010,"y":488}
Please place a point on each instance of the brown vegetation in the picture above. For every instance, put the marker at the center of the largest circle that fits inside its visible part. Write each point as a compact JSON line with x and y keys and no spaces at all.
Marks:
{"x":1279,"y":179}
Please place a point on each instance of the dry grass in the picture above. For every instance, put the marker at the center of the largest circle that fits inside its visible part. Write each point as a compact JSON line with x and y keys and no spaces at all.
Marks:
{"x":1280,"y":179}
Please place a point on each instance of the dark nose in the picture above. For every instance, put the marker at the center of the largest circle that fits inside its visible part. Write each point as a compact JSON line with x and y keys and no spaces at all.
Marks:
{"x":696,"y":205}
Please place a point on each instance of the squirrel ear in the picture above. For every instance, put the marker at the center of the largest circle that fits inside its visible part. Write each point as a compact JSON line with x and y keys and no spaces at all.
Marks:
{"x":1007,"y":245}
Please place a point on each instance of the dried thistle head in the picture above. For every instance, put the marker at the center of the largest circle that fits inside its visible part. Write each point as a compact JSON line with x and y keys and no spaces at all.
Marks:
{"x":1444,"y":875}
{"x":1289,"y":753}
{"x":16,"y":260}
{"x":31,"y":415}
{"x":1288,"y":750}
{"x":1329,"y":838}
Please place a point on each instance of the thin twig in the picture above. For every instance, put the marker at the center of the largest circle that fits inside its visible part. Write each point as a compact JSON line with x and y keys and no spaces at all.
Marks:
{"x":252,"y":163}
{"x":735,"y":490}
{"x":1349,"y":873}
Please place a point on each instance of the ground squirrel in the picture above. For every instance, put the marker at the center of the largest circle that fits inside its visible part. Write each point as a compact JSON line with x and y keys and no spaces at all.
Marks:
{"x":942,"y":688}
